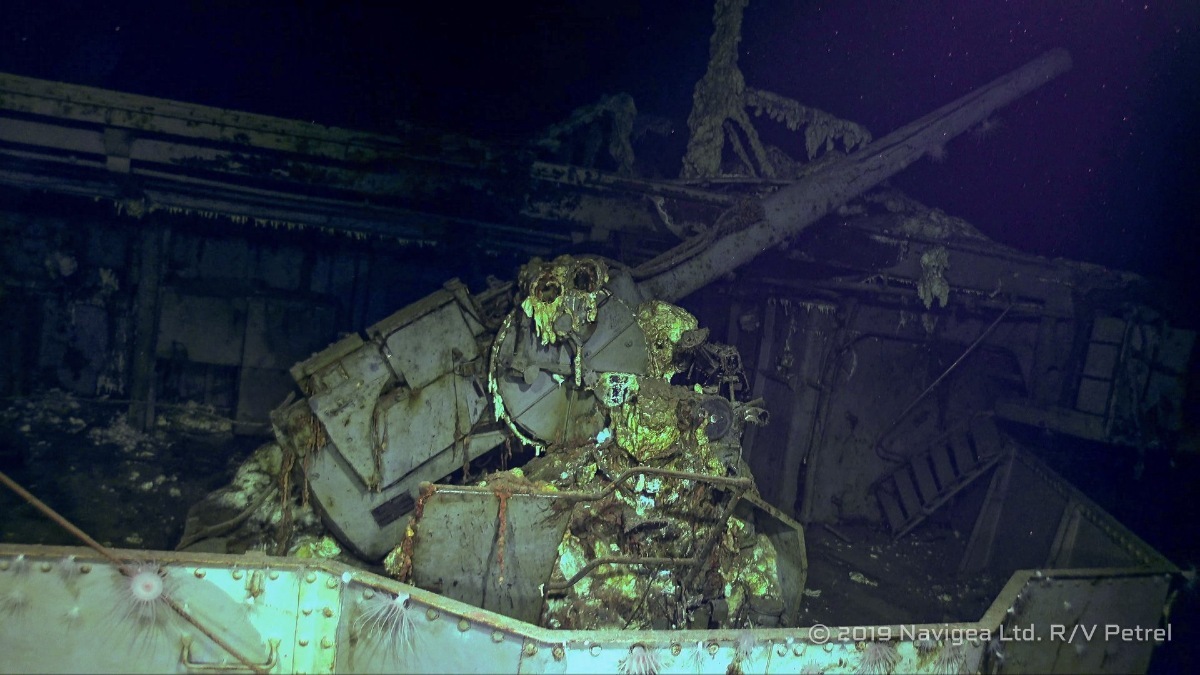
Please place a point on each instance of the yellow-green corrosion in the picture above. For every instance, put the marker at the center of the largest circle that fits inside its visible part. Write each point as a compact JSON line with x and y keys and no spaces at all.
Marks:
{"x":561,"y":296}
{"x":311,"y":547}
{"x":649,"y":426}
{"x":664,"y":325}
{"x":752,"y":572}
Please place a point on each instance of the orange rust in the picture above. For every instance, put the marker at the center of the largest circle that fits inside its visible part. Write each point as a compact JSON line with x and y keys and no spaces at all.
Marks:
{"x":404,"y":572}
{"x":502,"y":495}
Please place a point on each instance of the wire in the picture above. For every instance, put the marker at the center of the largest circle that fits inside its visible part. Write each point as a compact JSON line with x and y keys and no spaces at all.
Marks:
{"x":879,"y":449}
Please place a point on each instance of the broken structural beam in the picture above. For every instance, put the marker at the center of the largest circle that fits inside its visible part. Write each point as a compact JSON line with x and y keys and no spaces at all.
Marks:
{"x":799,"y":205}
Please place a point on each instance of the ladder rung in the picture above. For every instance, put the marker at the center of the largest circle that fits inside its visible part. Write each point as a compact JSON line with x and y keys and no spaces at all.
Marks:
{"x":964,"y":459}
{"x":891,"y":510}
{"x":942,"y":466}
{"x":909,"y":499}
{"x":925,"y":481}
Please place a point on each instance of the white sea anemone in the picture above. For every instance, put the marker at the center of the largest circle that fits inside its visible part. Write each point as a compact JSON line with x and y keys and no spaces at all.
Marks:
{"x":951,"y":660}
{"x":386,"y":620}
{"x":700,"y":657}
{"x":145,"y":591}
{"x":743,"y":647}
{"x":936,"y":153}
{"x":72,"y":616}
{"x":878,"y":658}
{"x":68,"y":569}
{"x":15,"y":602}
{"x":141,"y":611}
{"x":640,"y":661}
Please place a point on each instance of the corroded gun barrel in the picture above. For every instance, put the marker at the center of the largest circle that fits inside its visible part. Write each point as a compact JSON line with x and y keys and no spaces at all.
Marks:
{"x":797,"y":206}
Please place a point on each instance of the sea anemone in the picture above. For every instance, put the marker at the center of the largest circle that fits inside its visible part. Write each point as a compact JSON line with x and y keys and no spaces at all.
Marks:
{"x":72,"y":616}
{"x":878,"y":658}
{"x":19,"y":564}
{"x":386,"y":620}
{"x":936,"y":153}
{"x":950,"y":660}
{"x":144,"y":593}
{"x":139,"y":605}
{"x":640,"y":661}
{"x":68,"y":569}
{"x":743,"y":647}
{"x":15,"y":602}
{"x":700,"y":657}
{"x":987,"y":128}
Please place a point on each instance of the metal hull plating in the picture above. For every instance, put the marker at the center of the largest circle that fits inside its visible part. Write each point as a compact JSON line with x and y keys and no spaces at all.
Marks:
{"x":66,"y":610}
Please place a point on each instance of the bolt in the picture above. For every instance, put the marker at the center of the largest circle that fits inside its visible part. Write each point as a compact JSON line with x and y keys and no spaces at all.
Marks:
{"x":237,"y":574}
{"x":303,"y":642}
{"x":464,"y":625}
{"x":310,"y":577}
{"x":530,"y":649}
{"x":331,"y":583}
{"x":497,"y":636}
{"x":46,"y":567}
{"x":274,"y":574}
{"x":327,"y":613}
{"x":199,"y":573}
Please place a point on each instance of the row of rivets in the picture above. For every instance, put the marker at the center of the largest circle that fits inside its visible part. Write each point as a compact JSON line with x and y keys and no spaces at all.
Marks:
{"x":6,"y":565}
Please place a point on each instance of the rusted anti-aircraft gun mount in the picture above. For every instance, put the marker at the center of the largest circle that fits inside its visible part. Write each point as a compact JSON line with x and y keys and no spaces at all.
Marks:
{"x":581,"y":366}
